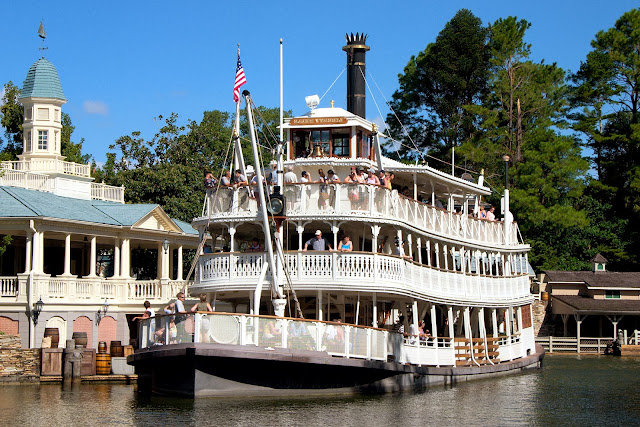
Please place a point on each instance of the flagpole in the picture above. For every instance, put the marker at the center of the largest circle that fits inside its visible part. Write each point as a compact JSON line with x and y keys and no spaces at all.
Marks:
{"x":238,"y":158}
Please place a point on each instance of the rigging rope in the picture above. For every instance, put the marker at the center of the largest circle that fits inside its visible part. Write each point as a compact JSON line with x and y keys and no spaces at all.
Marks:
{"x":334,"y":82}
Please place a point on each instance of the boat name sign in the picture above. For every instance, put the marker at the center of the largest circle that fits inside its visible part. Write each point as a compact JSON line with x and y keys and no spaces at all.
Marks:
{"x":319,"y":121}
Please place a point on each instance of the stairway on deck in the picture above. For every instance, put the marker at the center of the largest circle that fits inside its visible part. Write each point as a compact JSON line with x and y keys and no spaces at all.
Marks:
{"x":470,"y":351}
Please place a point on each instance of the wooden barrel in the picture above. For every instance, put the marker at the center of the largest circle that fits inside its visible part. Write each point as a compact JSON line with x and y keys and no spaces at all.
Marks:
{"x":80,"y":338}
{"x":117,"y":350}
{"x":544,"y":296}
{"x":55,"y":337}
{"x":102,"y":347}
{"x":103,"y":364}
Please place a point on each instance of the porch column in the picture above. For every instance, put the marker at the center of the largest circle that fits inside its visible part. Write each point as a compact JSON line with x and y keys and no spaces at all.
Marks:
{"x":180,"y":267}
{"x":28,"y":254}
{"x":232,"y":238}
{"x":494,"y":321}
{"x":429,"y":253}
{"x":170,"y":262}
{"x":410,"y":243}
{"x":434,"y":324}
{"x":125,"y":261}
{"x":38,"y":252}
{"x":375,"y":231}
{"x":450,"y":320}
{"x":334,"y":230}
{"x":579,"y":320}
{"x":374,"y":323}
{"x":159,"y":262}
{"x":116,"y":258}
{"x":319,"y":312}
{"x":446,"y":257}
{"x":92,"y":258}
{"x":437,"y":253}
{"x":67,"y":255}
{"x":300,"y":230}
{"x":164,"y":262}
{"x":419,"y":249}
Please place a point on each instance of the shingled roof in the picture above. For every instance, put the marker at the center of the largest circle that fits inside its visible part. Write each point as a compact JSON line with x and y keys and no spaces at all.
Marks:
{"x":603,"y":279}
{"x":587,"y":305}
{"x":20,"y":203}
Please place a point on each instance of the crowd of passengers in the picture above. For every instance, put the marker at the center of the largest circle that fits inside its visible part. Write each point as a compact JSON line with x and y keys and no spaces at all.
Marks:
{"x":356,"y":196}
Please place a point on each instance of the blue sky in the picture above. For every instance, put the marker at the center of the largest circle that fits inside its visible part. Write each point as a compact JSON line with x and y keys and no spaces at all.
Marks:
{"x":123,"y":63}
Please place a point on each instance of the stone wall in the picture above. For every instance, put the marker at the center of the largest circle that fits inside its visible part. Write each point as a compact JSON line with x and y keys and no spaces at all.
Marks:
{"x":16,"y":363}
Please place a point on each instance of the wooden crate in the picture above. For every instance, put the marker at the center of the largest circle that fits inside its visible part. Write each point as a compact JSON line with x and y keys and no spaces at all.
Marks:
{"x":128,"y":349}
{"x":88,"y":361}
{"x":51,"y":362}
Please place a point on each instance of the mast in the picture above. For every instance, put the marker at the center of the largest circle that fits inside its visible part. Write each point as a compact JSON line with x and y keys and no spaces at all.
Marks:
{"x":278,"y":302}
{"x":238,"y":158}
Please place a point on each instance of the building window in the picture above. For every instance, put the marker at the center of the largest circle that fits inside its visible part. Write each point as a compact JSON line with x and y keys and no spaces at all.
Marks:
{"x":364,"y":145}
{"x":43,"y":114}
{"x":27,"y":141}
{"x":341,"y":144}
{"x":42,"y":139}
{"x":27,"y":113}
{"x":56,"y":114}
{"x":612,"y":294}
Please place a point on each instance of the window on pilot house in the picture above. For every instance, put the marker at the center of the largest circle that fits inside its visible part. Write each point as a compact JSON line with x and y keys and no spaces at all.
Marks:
{"x":364,"y":146}
{"x":321,"y":138}
{"x":612,"y":294}
{"x":341,"y":142}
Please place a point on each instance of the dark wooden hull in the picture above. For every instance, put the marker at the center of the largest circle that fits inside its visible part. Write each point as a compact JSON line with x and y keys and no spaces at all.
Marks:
{"x":216,"y":370}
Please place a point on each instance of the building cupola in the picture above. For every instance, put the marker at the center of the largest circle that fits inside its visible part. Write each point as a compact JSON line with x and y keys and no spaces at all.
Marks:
{"x":598,"y":263}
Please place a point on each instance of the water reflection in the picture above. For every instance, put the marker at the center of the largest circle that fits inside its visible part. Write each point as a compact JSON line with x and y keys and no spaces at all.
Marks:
{"x":569,"y":390}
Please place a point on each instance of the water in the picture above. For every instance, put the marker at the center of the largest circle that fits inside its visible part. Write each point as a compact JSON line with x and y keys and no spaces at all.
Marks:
{"x":569,"y":390}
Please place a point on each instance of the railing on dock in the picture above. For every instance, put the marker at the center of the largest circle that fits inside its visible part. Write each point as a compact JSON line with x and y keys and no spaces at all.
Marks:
{"x":595,"y":345}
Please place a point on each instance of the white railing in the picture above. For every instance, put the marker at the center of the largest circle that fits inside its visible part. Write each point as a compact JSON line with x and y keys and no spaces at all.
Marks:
{"x":429,"y":352}
{"x":94,"y":290}
{"x":369,"y":201}
{"x":22,"y":179}
{"x":48,"y":166}
{"x":8,"y":286}
{"x":101,"y":191}
{"x":336,"y":339}
{"x":312,"y":270}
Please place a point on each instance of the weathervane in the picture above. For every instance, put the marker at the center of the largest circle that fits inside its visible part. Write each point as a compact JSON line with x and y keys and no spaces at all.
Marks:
{"x":43,"y":36}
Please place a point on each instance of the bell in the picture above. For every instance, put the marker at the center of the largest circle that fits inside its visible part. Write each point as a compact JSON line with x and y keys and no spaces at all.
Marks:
{"x":317,"y":151}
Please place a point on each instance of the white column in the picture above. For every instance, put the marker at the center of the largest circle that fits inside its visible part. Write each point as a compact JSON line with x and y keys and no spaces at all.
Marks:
{"x":434,"y":324}
{"x":319,"y":312}
{"x":446,"y":257}
{"x":37,"y":252}
{"x":450,"y":319}
{"x":164,"y":263}
{"x":170,"y":262}
{"x":335,"y":229}
{"x":467,"y":323}
{"x":437,"y":253}
{"x":374,"y":323}
{"x":116,"y":258}
{"x":419,"y":249}
{"x":300,"y":230}
{"x":180,"y":267}
{"x":375,"y":231}
{"x":494,"y":321}
{"x":429,"y":253}
{"x":67,"y":255}
{"x":519,"y":318}
{"x":415,"y":314}
{"x":232,"y":239}
{"x":92,"y":258}
{"x":410,"y":242}
{"x":125,"y":255}
{"x":28,"y":252}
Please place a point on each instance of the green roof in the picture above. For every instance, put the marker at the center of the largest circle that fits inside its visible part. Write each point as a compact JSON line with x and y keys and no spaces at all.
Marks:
{"x":42,"y":82}
{"x":20,"y":202}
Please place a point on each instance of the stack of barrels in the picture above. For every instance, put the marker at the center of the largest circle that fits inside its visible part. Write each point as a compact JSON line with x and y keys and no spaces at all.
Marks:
{"x":103,"y":360}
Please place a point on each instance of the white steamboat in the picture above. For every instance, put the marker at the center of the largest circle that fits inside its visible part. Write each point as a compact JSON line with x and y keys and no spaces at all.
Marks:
{"x":422,"y":255}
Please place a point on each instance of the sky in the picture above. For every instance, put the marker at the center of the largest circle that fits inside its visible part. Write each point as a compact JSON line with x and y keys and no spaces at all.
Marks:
{"x":122,"y":64}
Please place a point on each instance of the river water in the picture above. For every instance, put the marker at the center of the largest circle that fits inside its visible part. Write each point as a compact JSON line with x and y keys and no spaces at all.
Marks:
{"x":569,"y":390}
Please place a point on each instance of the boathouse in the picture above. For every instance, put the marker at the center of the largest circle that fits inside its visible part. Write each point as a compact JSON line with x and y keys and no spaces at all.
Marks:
{"x":75,"y":261}
{"x":595,"y":303}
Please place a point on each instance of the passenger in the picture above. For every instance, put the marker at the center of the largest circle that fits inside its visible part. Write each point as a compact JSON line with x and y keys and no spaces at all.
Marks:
{"x":148,"y":312}
{"x":180,"y":316}
{"x":318,"y":243}
{"x":226,"y":179}
{"x":388,"y":178}
{"x":207,"y":249}
{"x":482,"y":214}
{"x":399,"y":325}
{"x":305,"y":177}
{"x":290,"y":177}
{"x":346,"y":245}
{"x":255,"y":246}
{"x":240,"y":179}
{"x":382,"y":178}
{"x":491,"y":216}
{"x":421,"y":331}
{"x":332,"y":178}
{"x":203,"y":305}
{"x":352,"y":190}
{"x":209,"y":180}
{"x":372,"y":178}
{"x":323,"y":194}
{"x":360,"y":177}
{"x":399,"y":250}
{"x":272,"y":178}
{"x":170,"y":308}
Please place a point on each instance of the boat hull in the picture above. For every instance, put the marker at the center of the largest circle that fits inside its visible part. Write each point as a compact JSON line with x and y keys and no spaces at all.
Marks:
{"x":217,"y":370}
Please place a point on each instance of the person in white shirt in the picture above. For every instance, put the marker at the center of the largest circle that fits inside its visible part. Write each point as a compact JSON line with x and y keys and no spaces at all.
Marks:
{"x":290,"y":177}
{"x":490,"y":215}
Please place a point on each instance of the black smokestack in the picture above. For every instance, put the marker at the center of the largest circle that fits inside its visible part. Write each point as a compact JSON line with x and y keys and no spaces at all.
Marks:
{"x":356,"y":95}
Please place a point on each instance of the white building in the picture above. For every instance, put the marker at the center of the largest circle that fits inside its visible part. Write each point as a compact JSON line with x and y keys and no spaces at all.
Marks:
{"x":75,"y":243}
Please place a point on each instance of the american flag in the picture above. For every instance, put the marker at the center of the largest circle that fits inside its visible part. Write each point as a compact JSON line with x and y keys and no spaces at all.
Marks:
{"x":240,"y":80}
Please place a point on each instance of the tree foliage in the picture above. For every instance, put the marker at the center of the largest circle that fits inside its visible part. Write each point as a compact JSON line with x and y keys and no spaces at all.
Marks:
{"x":11,"y":118}
{"x":438,"y":83}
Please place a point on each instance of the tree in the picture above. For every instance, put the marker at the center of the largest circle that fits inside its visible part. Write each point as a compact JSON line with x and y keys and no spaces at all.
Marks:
{"x":438,"y":83}
{"x":606,"y":93}
{"x":522,"y":116}
{"x":12,"y":117}
{"x":71,"y":150}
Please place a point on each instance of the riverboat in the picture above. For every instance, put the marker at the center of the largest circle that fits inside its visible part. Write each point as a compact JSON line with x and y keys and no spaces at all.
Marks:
{"x":289,"y":320}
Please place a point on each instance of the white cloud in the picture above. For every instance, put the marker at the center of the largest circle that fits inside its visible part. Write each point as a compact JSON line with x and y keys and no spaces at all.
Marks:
{"x":95,"y":107}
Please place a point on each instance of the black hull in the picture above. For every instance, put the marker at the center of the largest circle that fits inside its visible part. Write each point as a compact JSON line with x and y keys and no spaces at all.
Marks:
{"x":214,"y":370}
